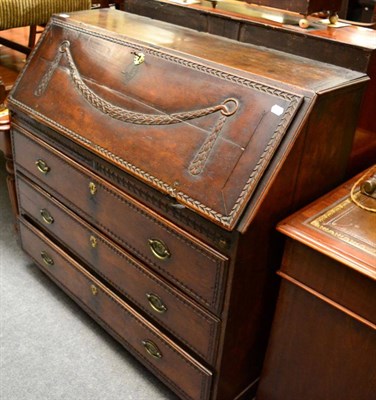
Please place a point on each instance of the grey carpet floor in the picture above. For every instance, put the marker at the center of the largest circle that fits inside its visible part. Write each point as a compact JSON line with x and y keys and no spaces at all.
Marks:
{"x":49,"y":348}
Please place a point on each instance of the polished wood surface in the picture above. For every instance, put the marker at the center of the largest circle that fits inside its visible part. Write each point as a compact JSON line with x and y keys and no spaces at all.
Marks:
{"x":324,"y":328}
{"x":267,"y":150}
{"x":292,"y":71}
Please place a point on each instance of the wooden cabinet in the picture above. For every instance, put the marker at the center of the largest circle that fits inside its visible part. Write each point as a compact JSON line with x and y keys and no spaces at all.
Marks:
{"x":152,"y":165}
{"x":301,"y":7}
{"x":323,"y":341}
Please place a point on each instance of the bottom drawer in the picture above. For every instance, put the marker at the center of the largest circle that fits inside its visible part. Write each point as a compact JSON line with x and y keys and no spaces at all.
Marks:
{"x":188,"y":378}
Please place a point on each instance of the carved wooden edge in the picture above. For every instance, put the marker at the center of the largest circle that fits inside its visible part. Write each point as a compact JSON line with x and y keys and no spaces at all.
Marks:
{"x":181,"y":61}
{"x":226,"y":221}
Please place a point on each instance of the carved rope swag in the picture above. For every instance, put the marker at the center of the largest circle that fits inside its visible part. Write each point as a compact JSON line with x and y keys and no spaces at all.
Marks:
{"x":227,"y":108}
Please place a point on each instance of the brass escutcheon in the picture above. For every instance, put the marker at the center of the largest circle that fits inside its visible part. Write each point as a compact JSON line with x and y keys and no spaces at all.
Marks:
{"x":138,"y":58}
{"x":47,"y":259}
{"x":152,"y":349}
{"x":159,"y":249}
{"x":156,"y":303}
{"x":93,"y":241}
{"x":94,"y":290}
{"x":46,"y":216}
{"x":42,"y":166}
{"x":92,"y":188}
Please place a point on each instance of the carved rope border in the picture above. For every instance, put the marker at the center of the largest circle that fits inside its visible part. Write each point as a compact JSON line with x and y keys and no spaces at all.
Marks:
{"x":223,"y":220}
{"x":121,"y":114}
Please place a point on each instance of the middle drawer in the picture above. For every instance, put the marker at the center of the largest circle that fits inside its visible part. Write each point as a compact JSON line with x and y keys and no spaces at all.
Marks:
{"x":188,"y":322}
{"x":190,"y":264}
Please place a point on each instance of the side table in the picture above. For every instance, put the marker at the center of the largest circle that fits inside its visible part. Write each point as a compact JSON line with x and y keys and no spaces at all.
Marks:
{"x":323,"y":341}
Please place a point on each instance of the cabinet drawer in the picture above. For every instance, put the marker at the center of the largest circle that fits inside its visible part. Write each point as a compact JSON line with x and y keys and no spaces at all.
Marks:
{"x":175,"y":367}
{"x":185,"y":320}
{"x":189,"y":263}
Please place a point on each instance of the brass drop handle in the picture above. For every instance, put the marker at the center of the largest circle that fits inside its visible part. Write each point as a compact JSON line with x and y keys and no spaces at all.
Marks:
{"x":42,"y":166}
{"x":46,"y":216}
{"x":159,"y":249}
{"x":47,"y":259}
{"x":152,"y":349}
{"x":138,"y":58}
{"x":92,"y":188}
{"x":156,"y":303}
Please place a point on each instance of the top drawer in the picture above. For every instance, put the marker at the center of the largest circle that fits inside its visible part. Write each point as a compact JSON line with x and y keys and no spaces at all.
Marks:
{"x":193,"y":266}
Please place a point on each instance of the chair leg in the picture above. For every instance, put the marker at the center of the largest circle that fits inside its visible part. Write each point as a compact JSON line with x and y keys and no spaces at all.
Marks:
{"x":32,"y":36}
{"x":6,"y":148}
{"x":3,"y":94}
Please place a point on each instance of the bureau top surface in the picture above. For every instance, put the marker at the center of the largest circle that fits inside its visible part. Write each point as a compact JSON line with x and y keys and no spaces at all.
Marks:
{"x":194,"y":116}
{"x":341,"y":225}
{"x":279,"y":66}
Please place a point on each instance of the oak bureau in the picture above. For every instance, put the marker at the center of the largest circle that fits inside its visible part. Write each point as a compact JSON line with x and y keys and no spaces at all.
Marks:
{"x":152,"y":164}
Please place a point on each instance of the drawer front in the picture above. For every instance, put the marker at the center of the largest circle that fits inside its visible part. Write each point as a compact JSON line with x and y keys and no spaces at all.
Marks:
{"x":193,"y":266}
{"x":331,"y":278}
{"x":175,"y":367}
{"x":186,"y":321}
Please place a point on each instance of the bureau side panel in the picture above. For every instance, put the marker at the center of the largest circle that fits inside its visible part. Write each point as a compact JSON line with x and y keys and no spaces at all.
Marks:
{"x":316,"y":162}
